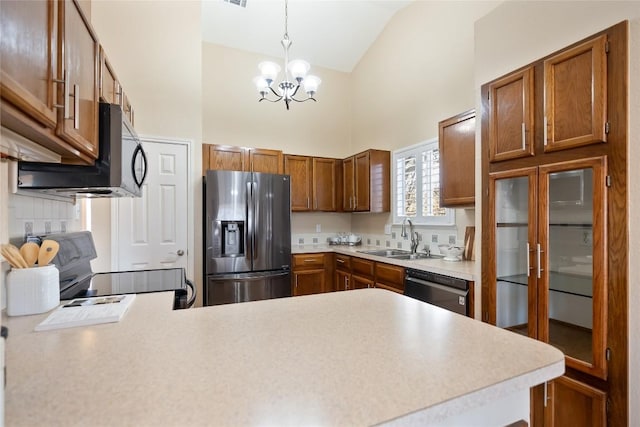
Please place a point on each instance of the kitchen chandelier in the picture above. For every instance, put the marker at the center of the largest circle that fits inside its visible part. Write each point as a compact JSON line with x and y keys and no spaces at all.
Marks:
{"x":298,"y":69}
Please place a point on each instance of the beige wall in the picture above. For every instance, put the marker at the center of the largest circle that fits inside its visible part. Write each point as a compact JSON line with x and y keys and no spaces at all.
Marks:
{"x":517,"y":33}
{"x":232,"y":114}
{"x":155,"y":48}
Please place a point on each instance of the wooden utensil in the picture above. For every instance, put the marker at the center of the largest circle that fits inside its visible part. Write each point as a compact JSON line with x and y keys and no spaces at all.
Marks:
{"x":29,"y":252}
{"x":48,"y":250}
{"x":12,"y":255}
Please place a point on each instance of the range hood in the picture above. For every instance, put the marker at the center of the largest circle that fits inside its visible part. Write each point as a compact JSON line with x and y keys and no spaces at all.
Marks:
{"x":119,"y":171}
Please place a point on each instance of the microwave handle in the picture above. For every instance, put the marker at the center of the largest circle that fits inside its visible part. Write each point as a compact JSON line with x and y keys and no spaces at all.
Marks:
{"x":139,"y":150}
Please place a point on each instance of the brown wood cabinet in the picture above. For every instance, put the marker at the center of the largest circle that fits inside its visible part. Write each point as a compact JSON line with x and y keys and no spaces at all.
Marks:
{"x":313,"y":183}
{"x":389,"y":277}
{"x":110,"y":90}
{"x":308,"y":274}
{"x":342,"y":273}
{"x":366,"y":182}
{"x":299,"y":169}
{"x":362,"y":273}
{"x":554,"y":240}
{"x":228,"y":157}
{"x":575,"y":93}
{"x":127,"y":108}
{"x":571,"y":402}
{"x":457,"y":143}
{"x":49,"y":81}
{"x":511,"y":116}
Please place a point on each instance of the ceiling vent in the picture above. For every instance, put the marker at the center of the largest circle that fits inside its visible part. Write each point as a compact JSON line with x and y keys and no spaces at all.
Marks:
{"x":241,"y":3}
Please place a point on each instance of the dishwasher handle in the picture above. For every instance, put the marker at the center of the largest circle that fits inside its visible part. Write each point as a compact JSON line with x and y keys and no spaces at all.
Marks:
{"x":438,"y":286}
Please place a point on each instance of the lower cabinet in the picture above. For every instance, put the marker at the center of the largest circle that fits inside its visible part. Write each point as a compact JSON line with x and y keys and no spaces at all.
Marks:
{"x":571,"y":403}
{"x":362,"y":273}
{"x":390,"y":277}
{"x":308,"y":275}
{"x":343,"y":273}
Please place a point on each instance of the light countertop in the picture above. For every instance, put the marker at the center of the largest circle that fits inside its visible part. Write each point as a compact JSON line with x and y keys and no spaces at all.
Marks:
{"x":461,"y":269}
{"x":358,"y":357}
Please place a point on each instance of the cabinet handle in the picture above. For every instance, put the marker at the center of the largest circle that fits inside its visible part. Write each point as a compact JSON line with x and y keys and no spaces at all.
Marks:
{"x":546,"y":394}
{"x":528,"y":263}
{"x":76,"y":106}
{"x":346,"y":282}
{"x":307,"y":203}
{"x":524,"y":137}
{"x":341,"y":261}
{"x":309,"y":260}
{"x":65,"y":99}
{"x":545,"y":124}
{"x":296,"y":281}
{"x":539,"y":251}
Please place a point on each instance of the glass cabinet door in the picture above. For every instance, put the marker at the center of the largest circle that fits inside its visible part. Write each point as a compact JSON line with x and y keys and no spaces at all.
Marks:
{"x":514,"y":223}
{"x":571,"y":287}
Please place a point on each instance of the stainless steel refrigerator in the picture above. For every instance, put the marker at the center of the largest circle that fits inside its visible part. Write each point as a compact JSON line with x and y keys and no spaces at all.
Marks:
{"x":247,"y":244}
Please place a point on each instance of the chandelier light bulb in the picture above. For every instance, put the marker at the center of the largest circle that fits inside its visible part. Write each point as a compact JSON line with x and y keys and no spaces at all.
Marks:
{"x":298,"y":69}
{"x":269,"y":71}
{"x":311,"y":84}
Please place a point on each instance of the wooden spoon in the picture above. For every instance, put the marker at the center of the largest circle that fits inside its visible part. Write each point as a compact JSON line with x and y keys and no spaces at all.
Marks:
{"x":29,"y":252}
{"x":48,"y":250}
{"x":12,"y":255}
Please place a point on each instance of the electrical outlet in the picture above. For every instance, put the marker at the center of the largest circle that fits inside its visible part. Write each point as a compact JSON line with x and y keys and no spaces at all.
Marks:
{"x":387,"y":229}
{"x":318,"y":228}
{"x":47,"y":227}
{"x":28,"y":228}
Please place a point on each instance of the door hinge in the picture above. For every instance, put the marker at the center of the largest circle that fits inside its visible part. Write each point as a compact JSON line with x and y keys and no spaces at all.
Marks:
{"x":608,"y":181}
{"x":607,"y":406}
{"x":607,"y":127}
{"x":606,"y":47}
{"x":607,"y":353}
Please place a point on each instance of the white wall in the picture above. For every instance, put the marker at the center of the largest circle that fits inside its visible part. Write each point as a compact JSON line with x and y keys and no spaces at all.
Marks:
{"x":155,"y":48}
{"x":517,"y":33}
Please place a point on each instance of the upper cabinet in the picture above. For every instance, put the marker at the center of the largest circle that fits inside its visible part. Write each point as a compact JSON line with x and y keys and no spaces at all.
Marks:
{"x":110,"y":90}
{"x":457,"y":140}
{"x":511,"y":116}
{"x":313,"y":183}
{"x":50,"y":75}
{"x":571,"y":87}
{"x":227,"y":157}
{"x":366,"y":182}
{"x":575,"y":87}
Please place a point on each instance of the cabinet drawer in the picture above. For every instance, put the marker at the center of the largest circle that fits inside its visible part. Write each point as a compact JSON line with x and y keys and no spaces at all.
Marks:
{"x":308,"y":261}
{"x":343,"y":262}
{"x":362,"y":267}
{"x":391,"y":287}
{"x":390,"y":274}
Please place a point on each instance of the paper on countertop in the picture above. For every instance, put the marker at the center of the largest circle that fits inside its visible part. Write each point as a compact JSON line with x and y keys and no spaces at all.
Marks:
{"x":87,"y":311}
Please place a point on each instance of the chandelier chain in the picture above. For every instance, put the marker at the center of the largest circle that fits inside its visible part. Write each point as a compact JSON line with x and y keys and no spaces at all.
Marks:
{"x":286,"y":19}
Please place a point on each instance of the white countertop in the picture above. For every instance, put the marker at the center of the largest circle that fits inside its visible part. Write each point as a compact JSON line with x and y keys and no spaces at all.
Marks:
{"x":358,"y":357}
{"x":461,"y":269}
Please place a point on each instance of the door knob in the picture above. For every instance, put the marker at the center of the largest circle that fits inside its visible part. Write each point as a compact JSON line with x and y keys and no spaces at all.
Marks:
{"x":180,"y":252}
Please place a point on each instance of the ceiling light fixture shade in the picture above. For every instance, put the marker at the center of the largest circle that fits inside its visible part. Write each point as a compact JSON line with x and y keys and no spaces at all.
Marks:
{"x":297,"y":69}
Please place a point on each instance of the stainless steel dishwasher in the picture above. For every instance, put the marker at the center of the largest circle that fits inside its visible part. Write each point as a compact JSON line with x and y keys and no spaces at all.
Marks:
{"x":447,"y":292}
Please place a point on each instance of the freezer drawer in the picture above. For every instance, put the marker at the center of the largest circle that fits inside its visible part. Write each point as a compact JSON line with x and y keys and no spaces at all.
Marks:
{"x":232,"y":288}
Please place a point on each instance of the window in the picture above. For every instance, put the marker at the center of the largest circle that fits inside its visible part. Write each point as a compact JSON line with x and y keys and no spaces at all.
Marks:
{"x":416,"y":172}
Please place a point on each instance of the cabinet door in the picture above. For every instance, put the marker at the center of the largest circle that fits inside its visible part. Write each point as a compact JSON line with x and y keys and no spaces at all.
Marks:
{"x":389,"y":276}
{"x":572,"y":274}
{"x":343,"y":280}
{"x":573,"y":403}
{"x":109,"y":86}
{"x":127,"y":108}
{"x":267,"y":161}
{"x":78,"y":66}
{"x":29,"y":57}
{"x":511,"y":123}
{"x":362,"y":267}
{"x":324,"y":186}
{"x":307,"y":282}
{"x":222,"y":157}
{"x":575,"y":87}
{"x":348,"y":189}
{"x":362,"y":182}
{"x":457,"y":142}
{"x":299,"y":168}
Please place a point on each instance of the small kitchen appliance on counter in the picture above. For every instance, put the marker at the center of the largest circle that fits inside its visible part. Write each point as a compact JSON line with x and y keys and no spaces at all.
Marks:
{"x":77,"y":280}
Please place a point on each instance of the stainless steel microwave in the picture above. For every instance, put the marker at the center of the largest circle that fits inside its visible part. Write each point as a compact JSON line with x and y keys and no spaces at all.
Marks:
{"x":119,"y":171}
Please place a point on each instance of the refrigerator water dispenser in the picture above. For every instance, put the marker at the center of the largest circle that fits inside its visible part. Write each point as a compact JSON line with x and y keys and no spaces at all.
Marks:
{"x":232,"y":238}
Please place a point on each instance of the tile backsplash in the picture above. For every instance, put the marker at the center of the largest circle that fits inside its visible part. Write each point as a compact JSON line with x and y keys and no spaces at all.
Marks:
{"x":33,"y":215}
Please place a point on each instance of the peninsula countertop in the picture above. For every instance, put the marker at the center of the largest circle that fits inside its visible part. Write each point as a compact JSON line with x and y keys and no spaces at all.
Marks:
{"x":460,"y":269}
{"x":359,"y":357}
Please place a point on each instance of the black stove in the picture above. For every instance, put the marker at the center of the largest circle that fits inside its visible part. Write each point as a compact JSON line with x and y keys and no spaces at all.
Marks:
{"x":73,"y":261}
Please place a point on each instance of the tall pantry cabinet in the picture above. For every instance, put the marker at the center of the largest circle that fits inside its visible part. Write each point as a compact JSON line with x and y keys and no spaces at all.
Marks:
{"x":554,"y":246}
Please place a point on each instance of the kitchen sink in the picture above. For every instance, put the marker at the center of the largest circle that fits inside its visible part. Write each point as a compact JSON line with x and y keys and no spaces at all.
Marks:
{"x":401,"y":254}
{"x":387,"y":252}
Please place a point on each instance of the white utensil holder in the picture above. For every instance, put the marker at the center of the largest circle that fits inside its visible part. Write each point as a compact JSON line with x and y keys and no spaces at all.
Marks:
{"x":32,"y":290}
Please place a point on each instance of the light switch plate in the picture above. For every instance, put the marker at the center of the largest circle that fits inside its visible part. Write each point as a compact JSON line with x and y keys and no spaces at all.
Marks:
{"x":387,"y":229}
{"x":318,"y":228}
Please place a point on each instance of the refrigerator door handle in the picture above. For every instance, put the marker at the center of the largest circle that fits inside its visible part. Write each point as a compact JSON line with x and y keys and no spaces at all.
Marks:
{"x":249,"y":214}
{"x":248,"y":277}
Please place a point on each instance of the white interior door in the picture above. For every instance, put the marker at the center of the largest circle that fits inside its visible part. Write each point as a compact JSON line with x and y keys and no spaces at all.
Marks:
{"x":151,"y":231}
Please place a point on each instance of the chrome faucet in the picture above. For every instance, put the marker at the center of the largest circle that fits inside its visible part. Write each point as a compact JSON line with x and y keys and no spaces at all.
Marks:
{"x":403,"y":232}
{"x":414,"y":241}
{"x":414,"y":234}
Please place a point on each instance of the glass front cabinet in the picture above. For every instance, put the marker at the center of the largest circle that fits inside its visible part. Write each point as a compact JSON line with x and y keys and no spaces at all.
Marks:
{"x":547,"y":257}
